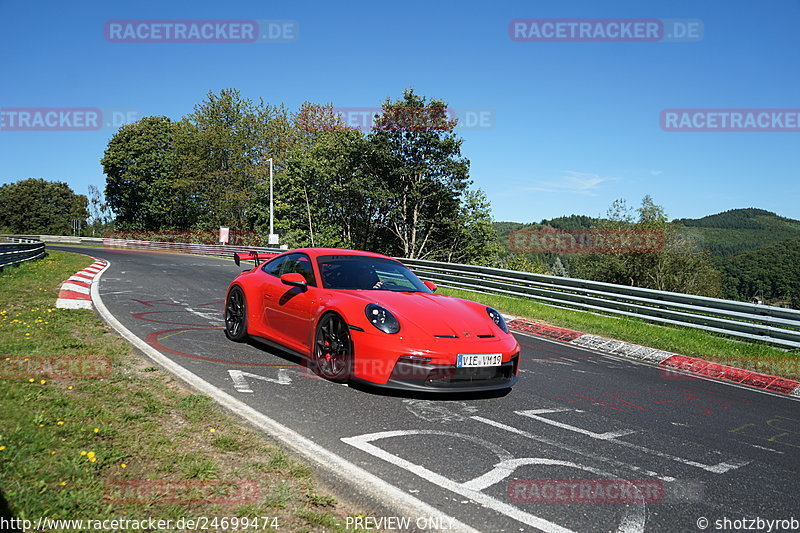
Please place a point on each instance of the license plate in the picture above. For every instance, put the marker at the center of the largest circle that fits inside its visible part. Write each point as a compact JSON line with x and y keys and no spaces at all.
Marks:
{"x":479,"y":359}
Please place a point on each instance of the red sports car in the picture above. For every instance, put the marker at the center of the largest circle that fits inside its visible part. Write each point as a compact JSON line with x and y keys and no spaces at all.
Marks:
{"x":366,"y":317}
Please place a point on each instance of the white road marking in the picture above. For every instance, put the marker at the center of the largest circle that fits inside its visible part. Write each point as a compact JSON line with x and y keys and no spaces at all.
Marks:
{"x":608,"y":435}
{"x":206,"y":314}
{"x":551,"y":361}
{"x":765,"y":448}
{"x":632,"y":522}
{"x":437,"y":411}
{"x":573,"y":450}
{"x":240,"y":383}
{"x":611,"y":436}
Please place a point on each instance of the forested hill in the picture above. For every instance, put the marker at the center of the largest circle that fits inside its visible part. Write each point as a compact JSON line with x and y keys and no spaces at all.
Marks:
{"x":723,"y":234}
{"x":737,"y":230}
{"x":770,"y":272}
{"x":756,"y":251}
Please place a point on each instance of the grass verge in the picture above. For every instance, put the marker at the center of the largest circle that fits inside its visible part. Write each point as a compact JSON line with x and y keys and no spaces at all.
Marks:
{"x":757,"y":357}
{"x":107,"y":445}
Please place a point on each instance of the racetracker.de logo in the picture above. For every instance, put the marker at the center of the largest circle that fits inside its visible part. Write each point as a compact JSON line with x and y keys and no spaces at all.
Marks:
{"x":585,"y":491}
{"x":149,"y":491}
{"x":605,"y":30}
{"x":76,"y":367}
{"x":406,"y":119}
{"x":723,"y":120}
{"x":590,"y":241}
{"x":201,"y":31}
{"x":65,"y":118}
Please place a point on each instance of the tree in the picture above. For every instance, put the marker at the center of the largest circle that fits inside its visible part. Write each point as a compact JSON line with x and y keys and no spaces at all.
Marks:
{"x":401,"y":189}
{"x":231,"y":139}
{"x":558,"y":268}
{"x":522,"y":263}
{"x":100,"y":215}
{"x":681,"y":265}
{"x":470,"y":237}
{"x":142,"y":186}
{"x":334,"y":183}
{"x":425,"y":174}
{"x":43,"y":207}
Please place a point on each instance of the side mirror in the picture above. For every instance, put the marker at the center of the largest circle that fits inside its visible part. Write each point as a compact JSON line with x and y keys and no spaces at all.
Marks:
{"x":431,"y":285}
{"x":295,"y":279}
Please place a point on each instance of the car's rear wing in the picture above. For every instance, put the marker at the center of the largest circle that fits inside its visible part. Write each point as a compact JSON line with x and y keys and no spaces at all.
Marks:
{"x":250,"y":256}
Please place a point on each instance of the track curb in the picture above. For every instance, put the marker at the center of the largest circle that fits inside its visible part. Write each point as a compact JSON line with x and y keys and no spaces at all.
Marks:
{"x":671,"y":362}
{"x":74,"y":293}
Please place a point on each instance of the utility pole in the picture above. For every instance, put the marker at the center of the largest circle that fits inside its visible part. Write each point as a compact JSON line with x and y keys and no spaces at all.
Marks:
{"x":273,"y":237}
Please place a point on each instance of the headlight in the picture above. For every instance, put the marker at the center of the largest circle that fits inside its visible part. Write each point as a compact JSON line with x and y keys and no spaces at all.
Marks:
{"x":497,"y":318}
{"x":381,"y":318}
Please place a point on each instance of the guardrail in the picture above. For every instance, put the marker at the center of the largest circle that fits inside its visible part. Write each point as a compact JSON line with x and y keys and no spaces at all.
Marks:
{"x":754,"y":322}
{"x":138,"y":244}
{"x":774,"y":325}
{"x":16,"y":252}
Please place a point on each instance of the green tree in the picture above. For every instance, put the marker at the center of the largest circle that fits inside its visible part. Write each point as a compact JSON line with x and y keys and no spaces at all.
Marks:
{"x":100,"y":215}
{"x":420,"y":159}
{"x":229,"y":140}
{"x":142,"y":185}
{"x":332,"y":187}
{"x":470,"y":237}
{"x":522,"y":263}
{"x":37,"y":206}
{"x":681,"y":265}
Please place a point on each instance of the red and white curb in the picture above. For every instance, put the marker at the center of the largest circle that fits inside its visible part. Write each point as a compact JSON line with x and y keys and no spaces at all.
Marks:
{"x":75,"y":291}
{"x":672,"y":361}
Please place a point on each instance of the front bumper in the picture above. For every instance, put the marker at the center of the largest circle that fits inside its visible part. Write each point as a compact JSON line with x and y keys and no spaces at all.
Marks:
{"x":411,"y":375}
{"x":394,"y":362}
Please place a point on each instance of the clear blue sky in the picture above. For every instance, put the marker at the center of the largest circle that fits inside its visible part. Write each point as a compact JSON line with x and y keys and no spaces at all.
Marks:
{"x":576,"y":124}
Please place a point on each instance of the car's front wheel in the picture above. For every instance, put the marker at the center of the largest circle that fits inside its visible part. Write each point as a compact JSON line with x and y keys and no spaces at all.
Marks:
{"x":236,"y":315}
{"x":333,"y":353}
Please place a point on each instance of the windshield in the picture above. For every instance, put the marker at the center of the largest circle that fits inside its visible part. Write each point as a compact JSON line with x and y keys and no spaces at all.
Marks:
{"x":359,"y":272}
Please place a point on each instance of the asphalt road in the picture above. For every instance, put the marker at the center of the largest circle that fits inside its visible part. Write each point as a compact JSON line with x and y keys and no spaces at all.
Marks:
{"x":579,"y":425}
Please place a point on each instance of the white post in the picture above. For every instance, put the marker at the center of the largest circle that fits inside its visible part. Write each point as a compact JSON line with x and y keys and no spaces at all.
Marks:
{"x":272,"y":239}
{"x":271,"y":229}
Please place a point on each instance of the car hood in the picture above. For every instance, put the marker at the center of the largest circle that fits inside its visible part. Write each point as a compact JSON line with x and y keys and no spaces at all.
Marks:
{"x":432,"y":314}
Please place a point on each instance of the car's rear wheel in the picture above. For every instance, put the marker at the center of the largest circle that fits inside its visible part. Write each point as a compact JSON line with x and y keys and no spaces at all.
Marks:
{"x":236,"y":315}
{"x":333,"y":352}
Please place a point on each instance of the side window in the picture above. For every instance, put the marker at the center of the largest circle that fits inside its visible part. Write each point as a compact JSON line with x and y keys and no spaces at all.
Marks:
{"x":301,"y":264}
{"x":274,"y":266}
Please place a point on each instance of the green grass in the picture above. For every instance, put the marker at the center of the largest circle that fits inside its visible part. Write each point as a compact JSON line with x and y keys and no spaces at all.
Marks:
{"x":64,"y":441}
{"x":686,"y":341}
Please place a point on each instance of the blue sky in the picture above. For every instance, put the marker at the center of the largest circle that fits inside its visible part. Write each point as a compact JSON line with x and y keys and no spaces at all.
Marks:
{"x":576,"y":124}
